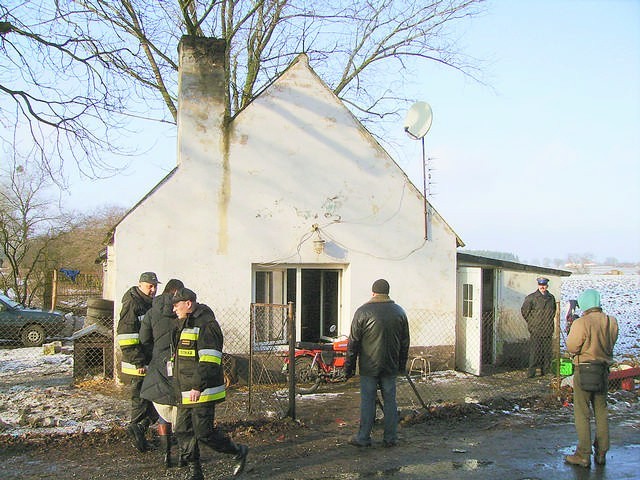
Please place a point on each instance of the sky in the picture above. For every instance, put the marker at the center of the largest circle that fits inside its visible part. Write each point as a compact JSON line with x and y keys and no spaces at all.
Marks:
{"x":541,"y":160}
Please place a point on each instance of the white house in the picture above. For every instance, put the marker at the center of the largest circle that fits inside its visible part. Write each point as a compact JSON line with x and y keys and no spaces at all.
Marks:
{"x":292,"y":200}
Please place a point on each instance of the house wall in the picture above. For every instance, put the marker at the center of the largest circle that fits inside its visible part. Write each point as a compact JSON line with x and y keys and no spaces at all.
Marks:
{"x":293,"y":165}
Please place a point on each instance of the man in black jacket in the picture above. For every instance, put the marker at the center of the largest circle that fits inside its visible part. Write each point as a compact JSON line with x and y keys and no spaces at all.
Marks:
{"x":156,"y":335}
{"x":199,"y":383}
{"x":135,"y":303}
{"x":539,"y":310}
{"x":379,"y":338}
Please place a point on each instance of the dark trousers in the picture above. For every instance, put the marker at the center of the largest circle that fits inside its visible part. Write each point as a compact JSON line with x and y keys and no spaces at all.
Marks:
{"x":142,"y":411}
{"x":539,"y":354}
{"x":195,"y":426}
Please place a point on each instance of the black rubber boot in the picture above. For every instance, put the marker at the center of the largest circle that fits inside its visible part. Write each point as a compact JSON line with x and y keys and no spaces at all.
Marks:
{"x":195,"y":471}
{"x":164,"y":434}
{"x":137,"y":435}
{"x":241,"y":460}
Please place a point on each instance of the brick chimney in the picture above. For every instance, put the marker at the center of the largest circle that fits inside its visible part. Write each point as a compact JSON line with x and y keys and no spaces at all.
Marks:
{"x":201,"y":93}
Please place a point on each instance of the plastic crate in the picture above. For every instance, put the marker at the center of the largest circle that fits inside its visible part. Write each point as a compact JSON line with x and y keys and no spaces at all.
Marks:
{"x":566,"y":367}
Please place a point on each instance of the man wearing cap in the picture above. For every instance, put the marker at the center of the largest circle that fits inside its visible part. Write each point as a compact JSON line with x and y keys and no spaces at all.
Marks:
{"x":379,"y":343}
{"x":135,"y":303}
{"x":199,"y":382}
{"x":591,"y":339}
{"x":539,"y":310}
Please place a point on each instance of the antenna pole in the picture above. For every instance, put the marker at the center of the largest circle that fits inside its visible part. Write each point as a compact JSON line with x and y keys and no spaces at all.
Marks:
{"x":424,"y":192}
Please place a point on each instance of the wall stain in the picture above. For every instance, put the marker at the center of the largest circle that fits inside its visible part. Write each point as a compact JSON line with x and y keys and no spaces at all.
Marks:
{"x":225,"y":192}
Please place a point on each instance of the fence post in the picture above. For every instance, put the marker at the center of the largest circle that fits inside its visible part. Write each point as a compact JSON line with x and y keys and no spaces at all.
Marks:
{"x":252,"y":326}
{"x":556,"y":348}
{"x":291,"y":337}
{"x":54,"y":290}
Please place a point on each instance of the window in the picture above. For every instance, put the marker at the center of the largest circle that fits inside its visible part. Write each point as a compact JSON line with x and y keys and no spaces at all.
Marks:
{"x":467,"y":300}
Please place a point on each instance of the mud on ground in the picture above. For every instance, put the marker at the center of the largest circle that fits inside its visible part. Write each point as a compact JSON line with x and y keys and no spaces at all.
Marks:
{"x":280,"y":449}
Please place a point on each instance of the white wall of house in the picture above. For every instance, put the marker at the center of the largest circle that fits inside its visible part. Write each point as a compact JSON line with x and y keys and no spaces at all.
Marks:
{"x":293,"y":165}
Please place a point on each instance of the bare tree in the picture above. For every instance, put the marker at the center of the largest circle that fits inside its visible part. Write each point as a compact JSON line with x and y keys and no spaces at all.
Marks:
{"x":86,"y":235}
{"x":111,"y":47}
{"x":29,"y":223}
{"x":58,"y":100}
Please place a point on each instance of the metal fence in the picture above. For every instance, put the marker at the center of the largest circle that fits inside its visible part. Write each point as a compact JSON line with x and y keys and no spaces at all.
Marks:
{"x":257,"y":344}
{"x":69,"y":293}
{"x":434,"y":374}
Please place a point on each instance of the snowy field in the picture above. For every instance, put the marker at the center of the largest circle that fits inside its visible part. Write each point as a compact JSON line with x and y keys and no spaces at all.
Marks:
{"x":620,"y":297}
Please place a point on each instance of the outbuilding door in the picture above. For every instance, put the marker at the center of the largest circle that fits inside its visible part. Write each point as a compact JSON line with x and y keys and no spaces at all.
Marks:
{"x":469,"y":320}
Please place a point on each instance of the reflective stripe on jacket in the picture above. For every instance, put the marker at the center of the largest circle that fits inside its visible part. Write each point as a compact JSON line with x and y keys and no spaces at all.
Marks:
{"x":130,"y":369}
{"x":198,"y":358}
{"x":213,"y":394}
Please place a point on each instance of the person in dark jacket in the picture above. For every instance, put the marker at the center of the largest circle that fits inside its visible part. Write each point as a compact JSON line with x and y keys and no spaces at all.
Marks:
{"x":591,"y":339}
{"x":135,"y":303}
{"x":379,"y":343}
{"x":199,"y":383}
{"x":156,"y":334}
{"x":539,"y":310}
{"x":571,"y":315}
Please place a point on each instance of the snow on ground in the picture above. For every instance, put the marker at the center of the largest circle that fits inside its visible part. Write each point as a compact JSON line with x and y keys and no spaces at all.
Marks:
{"x":32,"y":397}
{"x":32,"y":361}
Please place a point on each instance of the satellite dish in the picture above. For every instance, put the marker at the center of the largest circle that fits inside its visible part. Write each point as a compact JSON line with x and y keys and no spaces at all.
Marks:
{"x":418,"y":120}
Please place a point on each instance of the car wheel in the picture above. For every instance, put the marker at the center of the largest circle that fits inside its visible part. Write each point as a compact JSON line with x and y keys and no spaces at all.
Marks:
{"x":33,"y":336}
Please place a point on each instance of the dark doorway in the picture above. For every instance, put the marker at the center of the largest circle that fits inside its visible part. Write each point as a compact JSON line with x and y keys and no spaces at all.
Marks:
{"x":319,"y":303}
{"x":488,"y":317}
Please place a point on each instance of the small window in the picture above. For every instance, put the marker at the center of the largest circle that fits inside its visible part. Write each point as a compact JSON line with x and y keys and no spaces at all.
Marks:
{"x":467,"y":300}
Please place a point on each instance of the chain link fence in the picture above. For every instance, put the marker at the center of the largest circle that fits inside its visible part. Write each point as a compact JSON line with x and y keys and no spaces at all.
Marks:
{"x":435,"y":373}
{"x":448,"y":362}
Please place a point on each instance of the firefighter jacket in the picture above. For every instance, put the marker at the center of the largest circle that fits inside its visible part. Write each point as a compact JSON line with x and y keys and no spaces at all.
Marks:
{"x":198,"y":358}
{"x":539,"y":310}
{"x":379,"y":338}
{"x":134,"y":305}
{"x":156,"y":335}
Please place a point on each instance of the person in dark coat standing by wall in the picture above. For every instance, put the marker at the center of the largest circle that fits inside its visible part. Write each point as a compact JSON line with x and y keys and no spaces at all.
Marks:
{"x":156,"y":334}
{"x":379,"y":343}
{"x":199,"y":383}
{"x":135,"y":303}
{"x":591,"y":339}
{"x":539,"y":310}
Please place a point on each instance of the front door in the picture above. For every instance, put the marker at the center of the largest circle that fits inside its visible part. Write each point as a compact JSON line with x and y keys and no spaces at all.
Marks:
{"x":469,"y":320}
{"x":315,"y":293}
{"x":319,"y":304}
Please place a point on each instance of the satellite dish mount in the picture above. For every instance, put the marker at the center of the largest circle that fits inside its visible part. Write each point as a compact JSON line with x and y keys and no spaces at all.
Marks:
{"x":416,"y":124}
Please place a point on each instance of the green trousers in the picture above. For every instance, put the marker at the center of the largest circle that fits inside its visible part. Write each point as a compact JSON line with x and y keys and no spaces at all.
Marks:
{"x":583,"y":403}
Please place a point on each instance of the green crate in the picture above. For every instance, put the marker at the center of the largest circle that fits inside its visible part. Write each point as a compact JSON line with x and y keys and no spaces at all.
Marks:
{"x":566,"y":367}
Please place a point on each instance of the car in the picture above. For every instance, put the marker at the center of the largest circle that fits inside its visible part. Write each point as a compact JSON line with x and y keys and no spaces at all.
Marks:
{"x":31,"y":326}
